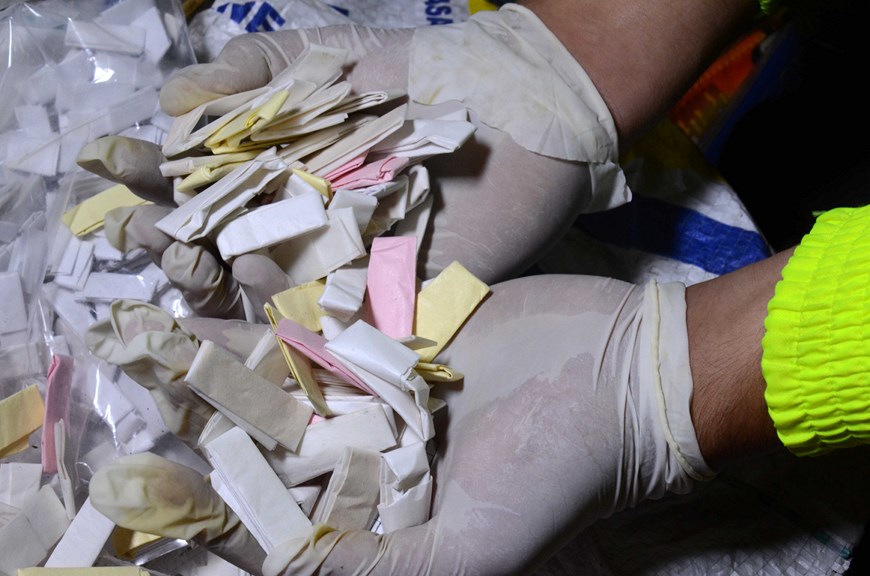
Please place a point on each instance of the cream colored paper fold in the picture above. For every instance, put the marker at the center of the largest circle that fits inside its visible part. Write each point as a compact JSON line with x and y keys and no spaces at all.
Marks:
{"x":185,"y":166}
{"x":267,"y":361}
{"x":420,"y":139}
{"x":325,"y":441}
{"x":350,"y":501}
{"x":271,"y":224}
{"x":406,"y":487}
{"x":363,"y":206}
{"x":250,"y":487}
{"x":243,"y":396}
{"x":344,"y":292}
{"x":322,"y":251}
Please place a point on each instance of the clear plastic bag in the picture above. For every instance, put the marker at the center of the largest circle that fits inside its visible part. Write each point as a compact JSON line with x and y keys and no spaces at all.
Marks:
{"x":74,"y":71}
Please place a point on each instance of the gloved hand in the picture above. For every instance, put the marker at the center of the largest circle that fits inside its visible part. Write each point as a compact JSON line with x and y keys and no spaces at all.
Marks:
{"x":557,"y":424}
{"x":545,"y":147}
{"x":208,"y":286}
{"x":570,"y":410}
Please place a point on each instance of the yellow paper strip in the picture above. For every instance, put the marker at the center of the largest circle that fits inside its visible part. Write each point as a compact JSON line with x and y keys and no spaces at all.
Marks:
{"x":267,"y":112}
{"x":183,"y":166}
{"x":233,"y":132}
{"x":205,"y":175}
{"x":475,"y":6}
{"x":127,"y":542}
{"x":89,"y":214}
{"x":444,"y":305}
{"x":437,"y":372}
{"x":299,"y":304}
{"x":21,"y":414}
{"x":322,"y":185}
{"x":224,"y":148}
{"x":300,"y":367}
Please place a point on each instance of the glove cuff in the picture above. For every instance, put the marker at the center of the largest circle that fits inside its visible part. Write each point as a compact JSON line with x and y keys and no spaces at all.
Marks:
{"x":816,"y":349}
{"x":496,"y":64}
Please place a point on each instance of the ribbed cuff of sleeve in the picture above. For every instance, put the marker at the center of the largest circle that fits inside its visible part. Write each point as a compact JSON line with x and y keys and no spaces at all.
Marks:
{"x":816,"y":358}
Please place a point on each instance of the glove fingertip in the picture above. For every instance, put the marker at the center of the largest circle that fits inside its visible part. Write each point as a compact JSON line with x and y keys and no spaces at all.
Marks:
{"x":131,"y":162}
{"x":260,"y":277}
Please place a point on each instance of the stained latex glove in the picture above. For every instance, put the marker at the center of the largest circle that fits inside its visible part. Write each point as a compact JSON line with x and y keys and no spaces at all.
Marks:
{"x":558,"y":423}
{"x":151,"y":494}
{"x":538,"y":158}
{"x":156,"y":351}
{"x":575,"y":405}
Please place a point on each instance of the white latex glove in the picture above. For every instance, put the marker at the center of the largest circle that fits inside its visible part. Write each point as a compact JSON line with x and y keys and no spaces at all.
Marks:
{"x":499,"y":204}
{"x":156,"y":351}
{"x":575,"y":405}
{"x":209,"y":286}
{"x":558,"y":423}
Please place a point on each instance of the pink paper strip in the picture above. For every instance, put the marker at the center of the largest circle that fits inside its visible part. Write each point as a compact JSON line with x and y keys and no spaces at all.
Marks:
{"x":313,"y":346}
{"x":392,"y":285}
{"x":372,"y":173}
{"x":347,"y":167}
{"x":57,"y":391}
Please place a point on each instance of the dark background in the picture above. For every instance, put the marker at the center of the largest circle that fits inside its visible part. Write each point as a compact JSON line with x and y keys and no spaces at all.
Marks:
{"x":805,"y":147}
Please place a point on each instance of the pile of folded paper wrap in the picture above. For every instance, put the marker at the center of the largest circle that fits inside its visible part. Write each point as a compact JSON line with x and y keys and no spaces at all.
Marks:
{"x":338,"y":179}
{"x":326,"y":414}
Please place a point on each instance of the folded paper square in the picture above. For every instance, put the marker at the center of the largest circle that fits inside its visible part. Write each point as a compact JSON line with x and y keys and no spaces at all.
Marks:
{"x":392,"y":285}
{"x":325,"y":441}
{"x":252,"y":402}
{"x":250,"y":487}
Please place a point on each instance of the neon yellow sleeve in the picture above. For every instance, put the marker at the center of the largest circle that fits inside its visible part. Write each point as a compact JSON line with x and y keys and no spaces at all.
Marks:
{"x":816,"y":358}
{"x":767,"y":6}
